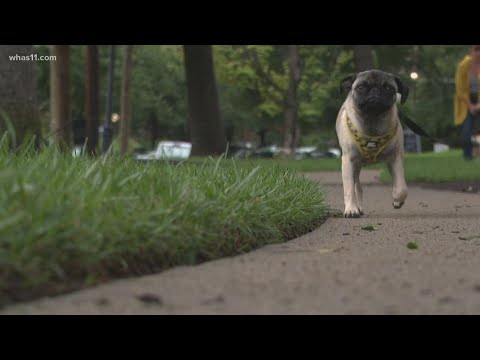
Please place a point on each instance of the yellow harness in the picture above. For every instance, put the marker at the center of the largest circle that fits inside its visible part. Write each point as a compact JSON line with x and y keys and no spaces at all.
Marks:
{"x":370,"y":147}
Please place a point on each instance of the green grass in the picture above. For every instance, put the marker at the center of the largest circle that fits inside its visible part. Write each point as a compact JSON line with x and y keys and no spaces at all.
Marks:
{"x":306,"y":165}
{"x":426,"y":167}
{"x":68,"y":223}
{"x":437,"y":168}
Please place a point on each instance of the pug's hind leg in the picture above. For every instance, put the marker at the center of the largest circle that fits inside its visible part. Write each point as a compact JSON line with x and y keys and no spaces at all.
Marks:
{"x":400,"y":191}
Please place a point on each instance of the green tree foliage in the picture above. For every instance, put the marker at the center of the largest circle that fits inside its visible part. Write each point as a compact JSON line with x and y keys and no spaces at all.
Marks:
{"x":254,"y":76}
{"x":252,"y":81}
{"x":159,"y":92}
{"x":260,"y":73}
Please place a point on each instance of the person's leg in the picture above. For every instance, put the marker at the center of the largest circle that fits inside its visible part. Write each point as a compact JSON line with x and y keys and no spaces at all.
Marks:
{"x":475,"y":133}
{"x":467,"y":136}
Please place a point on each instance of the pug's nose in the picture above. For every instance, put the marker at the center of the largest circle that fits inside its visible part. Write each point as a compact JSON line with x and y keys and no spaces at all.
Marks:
{"x":374,"y":91}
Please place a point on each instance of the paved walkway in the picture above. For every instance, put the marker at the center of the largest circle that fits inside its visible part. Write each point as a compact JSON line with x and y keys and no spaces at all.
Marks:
{"x":337,"y":269}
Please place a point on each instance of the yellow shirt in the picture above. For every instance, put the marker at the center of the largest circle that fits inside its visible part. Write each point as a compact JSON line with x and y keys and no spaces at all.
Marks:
{"x":462,"y":90}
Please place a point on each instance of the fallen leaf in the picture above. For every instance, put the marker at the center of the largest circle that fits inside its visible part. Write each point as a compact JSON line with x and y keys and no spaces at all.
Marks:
{"x":412,"y":245}
{"x":150,"y":299}
{"x":216,"y":300}
{"x":324,"y":251}
{"x":469,"y":237}
{"x":369,"y":228}
{"x":102,"y":302}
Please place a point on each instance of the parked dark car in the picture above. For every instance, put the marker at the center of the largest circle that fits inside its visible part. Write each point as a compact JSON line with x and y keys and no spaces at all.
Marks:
{"x":267,"y":152}
{"x":240,"y":150}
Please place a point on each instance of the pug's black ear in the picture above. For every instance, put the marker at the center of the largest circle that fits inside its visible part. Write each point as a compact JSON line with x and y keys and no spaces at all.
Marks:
{"x":347,"y":83}
{"x":403,"y":89}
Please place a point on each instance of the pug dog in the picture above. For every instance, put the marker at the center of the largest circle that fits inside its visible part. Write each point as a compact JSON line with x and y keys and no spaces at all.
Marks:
{"x":369,"y":131}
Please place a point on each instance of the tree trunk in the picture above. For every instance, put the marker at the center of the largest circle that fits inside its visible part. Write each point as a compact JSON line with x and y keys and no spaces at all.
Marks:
{"x":229,"y":133}
{"x":60,"y":95}
{"x":125,"y":105}
{"x":363,"y":57}
{"x":18,"y":92}
{"x":291,"y":104}
{"x":206,"y":125}
{"x":92,"y":98}
{"x":262,"y":134}
{"x":154,"y":129}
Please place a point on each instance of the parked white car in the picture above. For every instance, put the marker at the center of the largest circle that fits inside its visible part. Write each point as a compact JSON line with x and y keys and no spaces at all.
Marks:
{"x":168,"y":150}
{"x":314,"y":152}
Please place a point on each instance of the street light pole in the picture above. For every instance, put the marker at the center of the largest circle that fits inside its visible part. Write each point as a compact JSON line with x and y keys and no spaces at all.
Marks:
{"x":418,"y":140}
{"x":107,"y":127}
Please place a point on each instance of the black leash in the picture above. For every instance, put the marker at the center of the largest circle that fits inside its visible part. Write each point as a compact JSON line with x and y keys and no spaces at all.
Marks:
{"x":41,"y":138}
{"x":44,"y":138}
{"x":417,"y":129}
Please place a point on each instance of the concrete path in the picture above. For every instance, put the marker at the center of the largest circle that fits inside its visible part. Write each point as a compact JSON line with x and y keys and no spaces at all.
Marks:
{"x":337,"y":269}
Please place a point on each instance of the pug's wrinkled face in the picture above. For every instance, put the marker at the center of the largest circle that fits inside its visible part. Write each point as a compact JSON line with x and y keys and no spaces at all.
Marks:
{"x":375,"y":92}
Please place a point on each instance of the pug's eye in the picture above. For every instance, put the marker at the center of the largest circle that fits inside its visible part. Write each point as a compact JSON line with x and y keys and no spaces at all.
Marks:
{"x":388,"y":87}
{"x":361,"y":87}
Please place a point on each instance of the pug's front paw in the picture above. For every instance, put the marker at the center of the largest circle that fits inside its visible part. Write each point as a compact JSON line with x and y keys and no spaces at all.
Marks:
{"x":398,"y":204}
{"x":352,"y":212}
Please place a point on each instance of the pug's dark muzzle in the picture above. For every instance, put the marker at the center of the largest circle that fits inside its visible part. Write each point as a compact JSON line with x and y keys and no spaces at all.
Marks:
{"x":374,"y":105}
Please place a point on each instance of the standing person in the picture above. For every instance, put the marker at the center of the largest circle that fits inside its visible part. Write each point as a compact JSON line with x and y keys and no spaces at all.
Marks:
{"x":467,"y":106}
